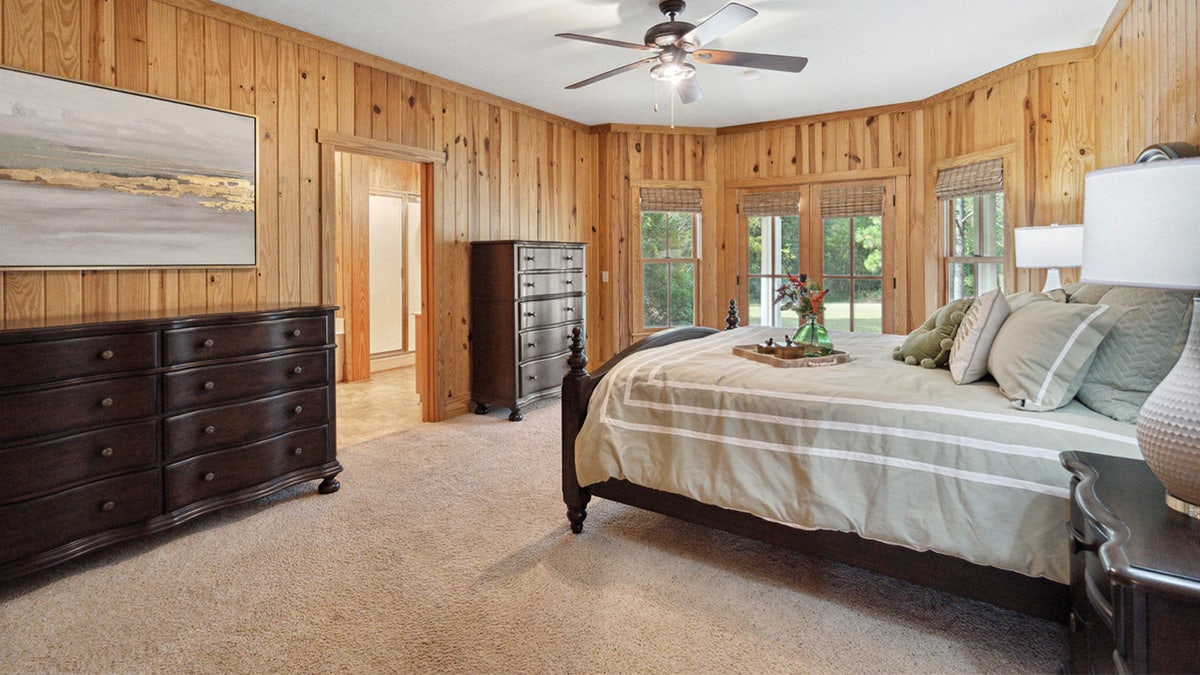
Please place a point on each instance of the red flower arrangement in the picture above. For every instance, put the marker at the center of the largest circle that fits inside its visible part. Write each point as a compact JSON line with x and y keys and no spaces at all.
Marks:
{"x":806,"y":297}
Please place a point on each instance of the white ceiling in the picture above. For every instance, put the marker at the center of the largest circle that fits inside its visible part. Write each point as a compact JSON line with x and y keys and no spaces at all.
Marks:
{"x":861,"y":52}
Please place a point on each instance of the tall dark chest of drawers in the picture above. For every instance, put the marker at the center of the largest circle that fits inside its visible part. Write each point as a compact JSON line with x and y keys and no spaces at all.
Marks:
{"x":111,"y":429}
{"x":526,"y":298}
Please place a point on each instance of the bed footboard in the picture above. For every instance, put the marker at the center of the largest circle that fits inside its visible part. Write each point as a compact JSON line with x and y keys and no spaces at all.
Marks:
{"x":577,"y":390}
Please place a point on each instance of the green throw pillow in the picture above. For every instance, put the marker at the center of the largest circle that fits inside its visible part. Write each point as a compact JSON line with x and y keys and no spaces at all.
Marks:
{"x":1139,"y":352}
{"x":929,"y":345}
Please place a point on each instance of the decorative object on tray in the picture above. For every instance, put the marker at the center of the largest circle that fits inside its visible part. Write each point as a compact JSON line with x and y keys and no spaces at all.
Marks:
{"x":807,"y":299}
{"x":788,"y":356}
{"x":1140,"y":226}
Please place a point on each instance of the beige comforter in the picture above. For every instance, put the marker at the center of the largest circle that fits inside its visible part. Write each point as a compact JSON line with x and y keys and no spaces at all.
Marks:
{"x":895,"y":453}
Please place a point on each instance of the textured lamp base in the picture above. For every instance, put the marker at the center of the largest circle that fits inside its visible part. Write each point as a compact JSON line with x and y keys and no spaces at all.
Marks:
{"x":1168,"y":426}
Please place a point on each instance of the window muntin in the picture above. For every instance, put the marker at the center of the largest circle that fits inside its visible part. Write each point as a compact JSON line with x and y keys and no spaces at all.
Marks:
{"x":852,"y":270}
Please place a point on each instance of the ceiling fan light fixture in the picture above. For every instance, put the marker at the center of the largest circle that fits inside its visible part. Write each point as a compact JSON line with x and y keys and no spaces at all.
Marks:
{"x":673,"y":71}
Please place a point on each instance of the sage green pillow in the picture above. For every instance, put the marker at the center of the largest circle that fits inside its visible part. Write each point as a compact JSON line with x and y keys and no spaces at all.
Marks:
{"x":1020,"y":299}
{"x":1139,"y":352}
{"x":929,"y":345}
{"x":1088,"y":294}
{"x":1043,"y":351}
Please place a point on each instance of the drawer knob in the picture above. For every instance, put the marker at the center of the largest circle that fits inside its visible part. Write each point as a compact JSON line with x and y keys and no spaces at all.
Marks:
{"x":533,"y":377}
{"x":532,"y":345}
{"x":108,"y":506}
{"x":297,"y":370}
{"x":529,"y":284}
{"x":530,"y":313}
{"x":210,"y":430}
{"x":208,"y":386}
{"x":208,"y":477}
{"x":297,"y":451}
{"x":107,"y":403}
{"x":106,"y":452}
{"x":209,"y":343}
{"x":569,"y":282}
{"x":106,"y":354}
{"x":296,"y":333}
{"x":569,"y":309}
{"x":298,"y":409}
{"x":570,"y":257}
{"x":530,"y":258}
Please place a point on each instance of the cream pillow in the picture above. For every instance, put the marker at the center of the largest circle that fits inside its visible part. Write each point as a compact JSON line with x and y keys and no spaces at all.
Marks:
{"x":1044,"y":350}
{"x":973,"y":342}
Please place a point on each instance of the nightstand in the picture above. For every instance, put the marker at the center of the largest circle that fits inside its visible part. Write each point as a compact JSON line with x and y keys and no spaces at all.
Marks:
{"x":1135,"y":571}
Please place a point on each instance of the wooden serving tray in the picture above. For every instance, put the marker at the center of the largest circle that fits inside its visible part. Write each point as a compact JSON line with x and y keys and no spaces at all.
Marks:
{"x":749,"y":352}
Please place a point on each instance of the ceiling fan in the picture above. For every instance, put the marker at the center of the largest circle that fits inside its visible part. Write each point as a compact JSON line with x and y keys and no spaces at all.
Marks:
{"x":672,"y":42}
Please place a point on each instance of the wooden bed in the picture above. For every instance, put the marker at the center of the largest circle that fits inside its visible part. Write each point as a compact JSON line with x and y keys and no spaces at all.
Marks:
{"x":1032,"y":595}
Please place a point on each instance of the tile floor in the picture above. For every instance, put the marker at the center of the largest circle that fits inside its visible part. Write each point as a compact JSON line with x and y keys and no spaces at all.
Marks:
{"x":385,"y":404}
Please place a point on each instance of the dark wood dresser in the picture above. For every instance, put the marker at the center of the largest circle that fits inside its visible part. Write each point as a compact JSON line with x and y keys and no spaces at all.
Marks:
{"x":1135,"y":571}
{"x":113,"y":428}
{"x":526,"y":297}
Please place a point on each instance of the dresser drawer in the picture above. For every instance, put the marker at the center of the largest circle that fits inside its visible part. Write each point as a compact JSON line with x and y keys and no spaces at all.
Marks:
{"x":225,"y":471}
{"x":79,"y":406}
{"x":38,"y":362}
{"x":549,"y":283}
{"x":30,"y":469}
{"x":537,"y":376}
{"x":185,"y":345}
{"x":218,"y":384}
{"x":544,"y":342}
{"x":549,"y":258}
{"x":41,"y":524}
{"x":242,"y":423}
{"x":537,"y":313}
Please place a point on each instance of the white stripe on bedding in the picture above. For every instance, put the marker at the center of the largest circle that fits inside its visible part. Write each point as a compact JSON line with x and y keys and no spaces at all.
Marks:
{"x":898,"y":432}
{"x":1025,"y":418}
{"x":973,"y":476}
{"x":1062,"y":354}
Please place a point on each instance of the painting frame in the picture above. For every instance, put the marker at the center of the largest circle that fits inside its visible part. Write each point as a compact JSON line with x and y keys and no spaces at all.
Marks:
{"x":94,"y":177}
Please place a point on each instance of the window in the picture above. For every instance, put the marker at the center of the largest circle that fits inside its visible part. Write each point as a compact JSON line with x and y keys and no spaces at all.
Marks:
{"x":773,"y":245}
{"x":975,"y":259}
{"x":669,"y":226}
{"x":852,"y":257}
{"x":972,"y":203}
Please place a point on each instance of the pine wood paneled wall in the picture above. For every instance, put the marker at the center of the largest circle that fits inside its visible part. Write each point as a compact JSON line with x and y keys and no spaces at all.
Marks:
{"x":1147,"y":76}
{"x":511,"y":172}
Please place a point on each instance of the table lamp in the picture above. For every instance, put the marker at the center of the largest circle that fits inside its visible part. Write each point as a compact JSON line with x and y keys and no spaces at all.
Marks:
{"x":1142,"y":228}
{"x":1049,"y":248}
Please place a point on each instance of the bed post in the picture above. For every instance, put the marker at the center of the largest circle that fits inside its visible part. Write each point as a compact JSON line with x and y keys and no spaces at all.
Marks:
{"x":574,"y":406}
{"x":731,"y":317}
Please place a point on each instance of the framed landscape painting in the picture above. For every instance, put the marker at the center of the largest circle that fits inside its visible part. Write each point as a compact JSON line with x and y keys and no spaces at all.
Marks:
{"x":94,"y":178}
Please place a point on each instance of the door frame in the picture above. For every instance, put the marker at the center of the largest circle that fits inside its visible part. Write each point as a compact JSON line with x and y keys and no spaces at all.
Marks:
{"x":331,"y":143}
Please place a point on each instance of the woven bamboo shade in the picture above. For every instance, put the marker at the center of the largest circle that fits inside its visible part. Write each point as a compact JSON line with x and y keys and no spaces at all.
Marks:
{"x":785,"y":203}
{"x":847,"y":202}
{"x":672,"y":200}
{"x":973,"y":179}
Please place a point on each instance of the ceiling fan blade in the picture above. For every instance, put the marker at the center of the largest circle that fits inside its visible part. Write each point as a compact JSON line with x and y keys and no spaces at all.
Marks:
{"x":604,"y":41}
{"x":791,"y":64}
{"x":724,"y":20}
{"x":610,"y":73}
{"x":689,"y":90}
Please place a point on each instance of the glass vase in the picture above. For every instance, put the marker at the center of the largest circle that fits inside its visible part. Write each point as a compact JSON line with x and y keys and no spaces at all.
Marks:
{"x":813,"y":337}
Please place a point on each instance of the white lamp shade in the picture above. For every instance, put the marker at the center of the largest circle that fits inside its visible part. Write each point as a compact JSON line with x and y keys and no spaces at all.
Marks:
{"x":1142,"y":225}
{"x":1053,"y":246}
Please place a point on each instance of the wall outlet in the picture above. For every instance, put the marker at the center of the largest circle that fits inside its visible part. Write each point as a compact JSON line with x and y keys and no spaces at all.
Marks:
{"x":604,"y":276}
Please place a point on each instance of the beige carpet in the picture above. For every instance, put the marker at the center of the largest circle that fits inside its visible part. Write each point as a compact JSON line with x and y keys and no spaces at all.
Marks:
{"x":447,"y":549}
